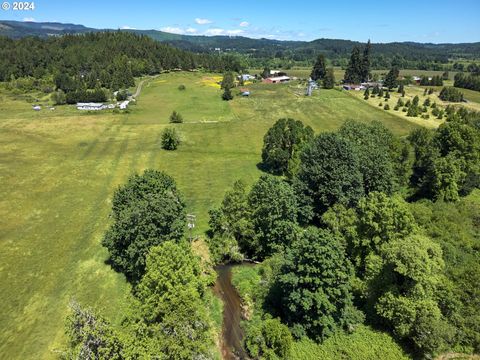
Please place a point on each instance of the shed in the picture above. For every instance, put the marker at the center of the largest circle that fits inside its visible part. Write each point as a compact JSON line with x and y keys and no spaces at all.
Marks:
{"x":276,"y":79}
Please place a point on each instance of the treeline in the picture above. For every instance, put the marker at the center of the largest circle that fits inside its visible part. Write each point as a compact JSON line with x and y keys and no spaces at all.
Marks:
{"x":467,"y":81}
{"x":433,"y":81}
{"x":110,"y":59}
{"x":349,"y":235}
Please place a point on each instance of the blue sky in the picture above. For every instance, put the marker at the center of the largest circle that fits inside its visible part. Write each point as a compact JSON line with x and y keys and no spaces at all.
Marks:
{"x":381,"y":21}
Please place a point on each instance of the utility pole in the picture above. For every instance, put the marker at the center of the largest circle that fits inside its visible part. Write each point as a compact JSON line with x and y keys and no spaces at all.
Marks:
{"x":191,"y":224}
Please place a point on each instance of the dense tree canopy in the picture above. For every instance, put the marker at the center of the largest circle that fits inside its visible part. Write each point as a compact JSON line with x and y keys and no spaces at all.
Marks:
{"x":147,"y":211}
{"x":273,"y":215}
{"x":375,"y":147}
{"x":315,"y":285}
{"x":330,"y":172}
{"x":282,"y":145}
{"x":110,"y":59}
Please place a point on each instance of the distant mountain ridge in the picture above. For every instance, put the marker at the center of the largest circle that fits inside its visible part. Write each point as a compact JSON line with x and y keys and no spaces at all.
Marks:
{"x":296,"y":50}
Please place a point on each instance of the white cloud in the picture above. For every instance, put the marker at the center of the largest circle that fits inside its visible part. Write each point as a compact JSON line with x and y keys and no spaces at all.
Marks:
{"x":191,"y":31}
{"x":126,"y":27}
{"x":234,"y":32}
{"x":244,"y":24}
{"x":29,"y":19}
{"x":215,"y":31}
{"x":219,"y":31}
{"x":173,"y":30}
{"x":201,"y":21}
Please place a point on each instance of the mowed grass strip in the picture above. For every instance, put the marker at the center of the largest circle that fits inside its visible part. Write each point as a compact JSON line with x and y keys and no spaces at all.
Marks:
{"x":60,"y":168}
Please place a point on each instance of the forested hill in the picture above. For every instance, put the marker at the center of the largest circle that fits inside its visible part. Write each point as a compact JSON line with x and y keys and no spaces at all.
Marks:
{"x":108,"y":59}
{"x":405,"y":54}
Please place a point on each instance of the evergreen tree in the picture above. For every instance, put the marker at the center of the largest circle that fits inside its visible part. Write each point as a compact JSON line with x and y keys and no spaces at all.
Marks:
{"x":329,"y":80}
{"x":319,"y":69}
{"x":391,"y":78}
{"x":353,"y":73}
{"x":366,"y":62}
{"x":176,"y":118}
{"x":227,"y":95}
{"x":266,"y":72}
{"x":366,"y":94}
{"x":170,"y":139}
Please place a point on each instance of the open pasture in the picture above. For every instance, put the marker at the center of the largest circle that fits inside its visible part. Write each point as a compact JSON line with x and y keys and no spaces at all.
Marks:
{"x":59,"y":169}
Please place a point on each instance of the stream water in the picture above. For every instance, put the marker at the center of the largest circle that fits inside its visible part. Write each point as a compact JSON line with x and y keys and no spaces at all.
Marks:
{"x":232,"y":333}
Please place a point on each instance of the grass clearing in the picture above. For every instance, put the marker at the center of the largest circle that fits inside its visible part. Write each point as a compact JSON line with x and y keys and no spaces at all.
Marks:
{"x":60,"y":168}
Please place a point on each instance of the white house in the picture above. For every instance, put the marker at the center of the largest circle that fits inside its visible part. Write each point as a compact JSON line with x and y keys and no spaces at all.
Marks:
{"x":123,"y":105}
{"x":37,"y":108}
{"x":91,"y":106}
{"x":246,"y":77}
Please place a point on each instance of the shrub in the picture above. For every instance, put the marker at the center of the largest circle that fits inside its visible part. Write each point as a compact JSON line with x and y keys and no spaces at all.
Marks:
{"x":170,"y":139}
{"x":415,"y":100}
{"x":380,"y":104}
{"x":404,"y":109}
{"x":412,"y":111}
{"x":386,"y":107}
{"x":181,"y":87}
{"x":268,"y":339}
{"x":121,"y":95}
{"x":59,"y":98}
{"x":176,"y":118}
{"x":396,"y":108}
{"x":227,"y":95}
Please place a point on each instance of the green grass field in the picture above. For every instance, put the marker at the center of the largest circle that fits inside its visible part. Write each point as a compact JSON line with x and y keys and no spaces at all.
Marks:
{"x":60,"y":168}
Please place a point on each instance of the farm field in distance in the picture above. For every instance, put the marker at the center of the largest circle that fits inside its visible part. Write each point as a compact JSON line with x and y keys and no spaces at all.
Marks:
{"x":60,"y":168}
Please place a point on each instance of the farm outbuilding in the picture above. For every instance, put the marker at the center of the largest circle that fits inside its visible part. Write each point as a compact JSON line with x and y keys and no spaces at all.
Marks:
{"x":246,"y":77}
{"x":91,"y":106}
{"x":244,"y":92}
{"x":276,"y":79}
{"x":355,"y":87}
{"x":123,"y":105}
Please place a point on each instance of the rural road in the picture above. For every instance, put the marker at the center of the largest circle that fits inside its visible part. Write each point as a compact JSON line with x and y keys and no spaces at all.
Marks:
{"x":139,"y":88}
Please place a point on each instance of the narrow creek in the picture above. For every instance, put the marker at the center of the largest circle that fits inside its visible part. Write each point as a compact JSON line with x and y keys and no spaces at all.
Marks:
{"x":232,"y":333}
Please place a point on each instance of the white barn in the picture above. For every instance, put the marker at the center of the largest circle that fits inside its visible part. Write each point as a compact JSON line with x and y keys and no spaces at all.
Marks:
{"x":91,"y":106}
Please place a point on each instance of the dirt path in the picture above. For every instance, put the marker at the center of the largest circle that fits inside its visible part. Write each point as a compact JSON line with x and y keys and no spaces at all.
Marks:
{"x":139,"y":88}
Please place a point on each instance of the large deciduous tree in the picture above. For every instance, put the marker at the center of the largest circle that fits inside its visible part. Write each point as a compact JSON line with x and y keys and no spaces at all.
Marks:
{"x":374,"y":145}
{"x":314,"y":283}
{"x":171,"y":316}
{"x":330,"y":173}
{"x":147,"y":211}
{"x":282,"y":145}
{"x":273,"y":215}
